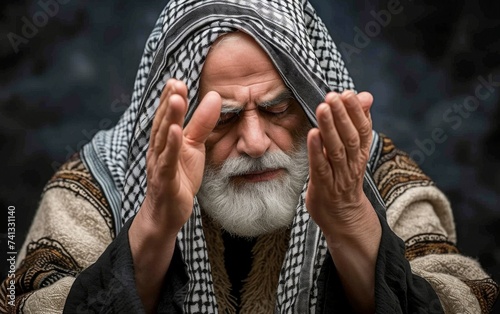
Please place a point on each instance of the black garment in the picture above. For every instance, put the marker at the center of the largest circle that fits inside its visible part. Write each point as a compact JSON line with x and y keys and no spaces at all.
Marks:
{"x":238,"y":261}
{"x":108,"y":285}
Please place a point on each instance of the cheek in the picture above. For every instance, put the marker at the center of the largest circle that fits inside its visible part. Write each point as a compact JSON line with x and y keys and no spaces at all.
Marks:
{"x":219,"y":147}
{"x":282,"y":137}
{"x":289,"y":131}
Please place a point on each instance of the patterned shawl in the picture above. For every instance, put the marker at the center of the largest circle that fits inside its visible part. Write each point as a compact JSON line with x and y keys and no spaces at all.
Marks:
{"x":302,"y":51}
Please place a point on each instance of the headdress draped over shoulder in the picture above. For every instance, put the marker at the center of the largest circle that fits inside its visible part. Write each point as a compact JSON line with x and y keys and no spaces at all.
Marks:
{"x":303,"y":53}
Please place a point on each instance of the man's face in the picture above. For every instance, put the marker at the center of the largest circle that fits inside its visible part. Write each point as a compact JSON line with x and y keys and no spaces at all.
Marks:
{"x":256,"y":155}
{"x":259,"y":113}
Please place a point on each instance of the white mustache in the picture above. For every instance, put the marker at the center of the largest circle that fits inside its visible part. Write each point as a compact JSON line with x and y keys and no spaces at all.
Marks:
{"x":242,"y":165}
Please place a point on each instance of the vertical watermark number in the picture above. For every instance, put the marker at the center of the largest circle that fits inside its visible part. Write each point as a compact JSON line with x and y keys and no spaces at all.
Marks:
{"x":11,"y":254}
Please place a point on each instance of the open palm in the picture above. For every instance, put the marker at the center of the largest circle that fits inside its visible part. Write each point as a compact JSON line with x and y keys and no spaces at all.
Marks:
{"x":176,"y":156}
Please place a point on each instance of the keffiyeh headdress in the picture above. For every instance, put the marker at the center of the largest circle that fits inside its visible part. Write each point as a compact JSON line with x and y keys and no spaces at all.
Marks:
{"x":302,"y":51}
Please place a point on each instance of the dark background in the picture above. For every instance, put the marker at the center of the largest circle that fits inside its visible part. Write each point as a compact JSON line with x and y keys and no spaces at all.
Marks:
{"x":76,"y":74}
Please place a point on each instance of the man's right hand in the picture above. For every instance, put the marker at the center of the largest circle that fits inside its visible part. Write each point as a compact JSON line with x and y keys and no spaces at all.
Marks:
{"x":175,"y":162}
{"x":176,"y":157}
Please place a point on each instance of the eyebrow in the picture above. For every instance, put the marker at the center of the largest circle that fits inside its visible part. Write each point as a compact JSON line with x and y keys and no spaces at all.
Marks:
{"x":284,"y":95}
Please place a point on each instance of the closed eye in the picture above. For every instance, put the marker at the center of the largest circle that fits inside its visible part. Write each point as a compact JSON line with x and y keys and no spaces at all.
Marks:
{"x":227,"y":117}
{"x":277,"y":110}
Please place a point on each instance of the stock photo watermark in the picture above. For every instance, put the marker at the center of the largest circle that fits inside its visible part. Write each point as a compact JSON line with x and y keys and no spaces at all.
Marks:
{"x":118,"y":105}
{"x":31,"y":26}
{"x":373,"y":28}
{"x":454,"y":117}
{"x":11,"y":255}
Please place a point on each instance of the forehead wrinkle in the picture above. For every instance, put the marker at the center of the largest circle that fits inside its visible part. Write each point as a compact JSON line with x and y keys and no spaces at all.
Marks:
{"x":235,"y":106}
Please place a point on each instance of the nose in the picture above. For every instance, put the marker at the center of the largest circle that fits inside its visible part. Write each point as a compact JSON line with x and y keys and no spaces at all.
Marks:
{"x":253,"y":139}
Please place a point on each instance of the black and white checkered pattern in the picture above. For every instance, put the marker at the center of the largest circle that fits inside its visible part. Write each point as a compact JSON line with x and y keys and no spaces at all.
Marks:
{"x":303,"y":52}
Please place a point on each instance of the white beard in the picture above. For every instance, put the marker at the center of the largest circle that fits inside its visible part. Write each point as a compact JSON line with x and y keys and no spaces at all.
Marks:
{"x":252,"y":209}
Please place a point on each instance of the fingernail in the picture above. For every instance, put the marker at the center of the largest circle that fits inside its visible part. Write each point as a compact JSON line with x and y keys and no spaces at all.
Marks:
{"x":331,"y":96}
{"x":325,"y":109}
{"x":347,"y":95}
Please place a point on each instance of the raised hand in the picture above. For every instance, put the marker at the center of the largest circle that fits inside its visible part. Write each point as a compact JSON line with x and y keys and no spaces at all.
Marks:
{"x":175,"y":162}
{"x":176,"y":157}
{"x":338,"y":154}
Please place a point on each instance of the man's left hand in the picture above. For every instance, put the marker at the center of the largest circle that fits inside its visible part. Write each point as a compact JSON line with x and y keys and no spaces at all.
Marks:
{"x":338,"y":153}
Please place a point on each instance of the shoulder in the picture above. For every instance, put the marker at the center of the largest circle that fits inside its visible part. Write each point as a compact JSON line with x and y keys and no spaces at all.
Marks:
{"x":74,"y":178}
{"x":394,"y":172}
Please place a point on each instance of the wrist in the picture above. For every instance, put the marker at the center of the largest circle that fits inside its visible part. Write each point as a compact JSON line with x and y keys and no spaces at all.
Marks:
{"x":354,"y":219}
{"x":354,"y":249}
{"x":362,"y":232}
{"x":157,"y":223}
{"x":152,"y":253}
{"x":146,"y":230}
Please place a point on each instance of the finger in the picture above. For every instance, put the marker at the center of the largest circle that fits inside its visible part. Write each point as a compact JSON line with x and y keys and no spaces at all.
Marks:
{"x":345,"y":128}
{"x":319,"y":167}
{"x":334,"y":148}
{"x":354,"y":108}
{"x":172,"y":86}
{"x":360,"y":120}
{"x":160,"y":112}
{"x":169,"y":158}
{"x":204,"y":118}
{"x":167,"y":90}
{"x":176,"y":110}
{"x":366,"y":100}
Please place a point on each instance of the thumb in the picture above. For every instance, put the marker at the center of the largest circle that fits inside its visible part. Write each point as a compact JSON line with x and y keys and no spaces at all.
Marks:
{"x":366,"y":100}
{"x":204,"y":118}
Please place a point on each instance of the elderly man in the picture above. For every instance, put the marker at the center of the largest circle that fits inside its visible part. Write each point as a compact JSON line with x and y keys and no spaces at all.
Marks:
{"x":245,"y":177}
{"x":256,"y":166}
